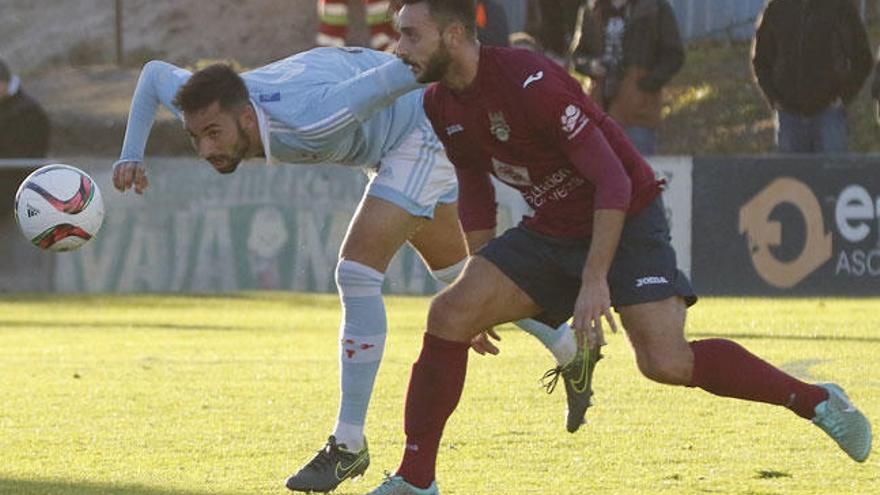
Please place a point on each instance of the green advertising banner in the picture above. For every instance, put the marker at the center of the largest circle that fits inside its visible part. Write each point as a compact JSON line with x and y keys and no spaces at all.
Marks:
{"x":262,"y":228}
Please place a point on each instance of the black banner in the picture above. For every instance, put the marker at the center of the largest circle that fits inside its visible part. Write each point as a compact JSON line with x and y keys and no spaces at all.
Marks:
{"x":786,"y":225}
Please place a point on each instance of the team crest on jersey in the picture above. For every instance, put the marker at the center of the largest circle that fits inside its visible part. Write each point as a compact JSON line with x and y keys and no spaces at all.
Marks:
{"x":511,"y":174}
{"x":499,"y":127}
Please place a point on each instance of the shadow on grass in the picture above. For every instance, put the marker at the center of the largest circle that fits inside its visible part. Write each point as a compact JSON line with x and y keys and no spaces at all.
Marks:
{"x":61,"y":487}
{"x":89,"y":325}
{"x":163,"y":301}
{"x":763,"y":336}
{"x":768,"y":474}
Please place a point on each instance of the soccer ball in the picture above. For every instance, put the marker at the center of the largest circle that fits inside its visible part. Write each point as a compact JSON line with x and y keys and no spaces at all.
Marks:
{"x":59,"y":207}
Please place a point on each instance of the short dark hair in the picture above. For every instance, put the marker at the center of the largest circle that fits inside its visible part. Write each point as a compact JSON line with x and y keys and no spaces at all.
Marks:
{"x":446,"y":12}
{"x":5,"y":73}
{"x":215,"y":83}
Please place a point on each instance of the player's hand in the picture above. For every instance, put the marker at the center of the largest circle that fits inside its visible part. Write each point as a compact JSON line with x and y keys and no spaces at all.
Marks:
{"x":130,"y":174}
{"x":593,"y":303}
{"x":482,"y":343}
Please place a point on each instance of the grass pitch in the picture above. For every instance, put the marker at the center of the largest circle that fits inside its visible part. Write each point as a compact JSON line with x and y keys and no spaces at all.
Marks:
{"x":189,"y":395}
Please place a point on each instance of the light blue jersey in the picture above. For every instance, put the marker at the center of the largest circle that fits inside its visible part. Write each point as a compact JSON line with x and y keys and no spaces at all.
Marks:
{"x":347,"y":106}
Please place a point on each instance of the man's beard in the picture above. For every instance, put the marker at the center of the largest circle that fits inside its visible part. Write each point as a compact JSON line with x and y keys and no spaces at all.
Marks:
{"x":436,"y":66}
{"x":241,"y":148}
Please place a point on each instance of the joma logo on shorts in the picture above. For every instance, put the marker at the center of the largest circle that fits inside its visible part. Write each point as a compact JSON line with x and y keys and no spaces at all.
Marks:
{"x":650,"y":281}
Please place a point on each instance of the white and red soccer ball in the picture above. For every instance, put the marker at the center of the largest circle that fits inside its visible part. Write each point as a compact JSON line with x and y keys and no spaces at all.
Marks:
{"x":59,"y":207}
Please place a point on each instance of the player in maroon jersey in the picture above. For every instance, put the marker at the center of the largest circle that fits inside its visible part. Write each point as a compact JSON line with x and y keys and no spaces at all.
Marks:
{"x":598,"y":238}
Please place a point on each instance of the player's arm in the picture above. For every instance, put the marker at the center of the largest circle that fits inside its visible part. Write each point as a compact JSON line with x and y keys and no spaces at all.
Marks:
{"x":569,"y":120}
{"x":593,"y":157}
{"x":477,"y":210}
{"x":157,"y":85}
{"x":334,"y":108}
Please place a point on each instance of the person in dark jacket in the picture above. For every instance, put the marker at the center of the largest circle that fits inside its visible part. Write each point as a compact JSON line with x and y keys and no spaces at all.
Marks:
{"x":630,"y":49}
{"x":875,"y":92}
{"x":558,"y":26}
{"x":492,"y":26}
{"x":24,"y":127}
{"x":810,"y":59}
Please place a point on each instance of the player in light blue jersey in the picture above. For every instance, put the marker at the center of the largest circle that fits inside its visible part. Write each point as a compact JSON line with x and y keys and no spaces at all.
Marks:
{"x":353,"y":107}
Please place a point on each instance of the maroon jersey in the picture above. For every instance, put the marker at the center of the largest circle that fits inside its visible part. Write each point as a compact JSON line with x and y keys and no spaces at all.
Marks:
{"x":526,"y":121}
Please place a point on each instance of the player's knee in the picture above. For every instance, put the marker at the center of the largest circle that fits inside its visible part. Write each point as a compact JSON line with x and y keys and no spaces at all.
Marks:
{"x":667,"y":368}
{"x":448,"y":317}
{"x":358,"y":280}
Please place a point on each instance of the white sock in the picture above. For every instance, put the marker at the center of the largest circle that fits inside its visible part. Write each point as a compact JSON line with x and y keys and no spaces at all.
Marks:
{"x":352,"y":436}
{"x":561,"y":342}
{"x":450,"y":273}
{"x":361,"y":344}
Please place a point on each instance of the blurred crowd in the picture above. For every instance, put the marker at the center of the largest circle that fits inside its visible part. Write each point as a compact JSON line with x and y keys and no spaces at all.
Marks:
{"x":810,"y":60}
{"x":24,"y":126}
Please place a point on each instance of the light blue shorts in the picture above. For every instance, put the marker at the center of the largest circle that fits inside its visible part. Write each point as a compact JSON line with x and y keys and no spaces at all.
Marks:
{"x":417,"y":175}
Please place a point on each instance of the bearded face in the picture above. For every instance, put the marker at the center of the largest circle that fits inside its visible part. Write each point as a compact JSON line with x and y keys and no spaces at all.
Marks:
{"x":421,"y":44}
{"x":218,"y":137}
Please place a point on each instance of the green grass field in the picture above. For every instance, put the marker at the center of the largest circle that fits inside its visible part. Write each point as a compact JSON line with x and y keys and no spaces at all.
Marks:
{"x":186,"y":395}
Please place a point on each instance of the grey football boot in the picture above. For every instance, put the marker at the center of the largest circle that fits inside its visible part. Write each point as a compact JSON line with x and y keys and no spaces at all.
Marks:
{"x":331,"y":466}
{"x":578,"y":378}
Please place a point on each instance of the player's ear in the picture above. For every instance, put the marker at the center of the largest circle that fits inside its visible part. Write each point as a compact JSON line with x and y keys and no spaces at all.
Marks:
{"x":454,"y":34}
{"x":248,"y":117}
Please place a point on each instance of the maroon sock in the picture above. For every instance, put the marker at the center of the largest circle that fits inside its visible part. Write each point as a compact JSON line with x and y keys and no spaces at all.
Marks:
{"x":435,"y":386}
{"x":725,"y":368}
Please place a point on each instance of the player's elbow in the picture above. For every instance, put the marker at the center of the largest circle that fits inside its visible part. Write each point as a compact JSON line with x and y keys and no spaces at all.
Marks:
{"x":154,"y":66}
{"x":618,"y":197}
{"x":151,"y":74}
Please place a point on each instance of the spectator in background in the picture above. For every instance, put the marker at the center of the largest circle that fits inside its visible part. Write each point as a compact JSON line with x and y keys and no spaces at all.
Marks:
{"x":875,"y":92}
{"x":492,"y":27}
{"x":558,"y":24}
{"x":333,"y":27}
{"x":630,"y":49}
{"x":810,"y":59}
{"x":523,"y":16}
{"x":515,"y":11}
{"x":24,"y":127}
